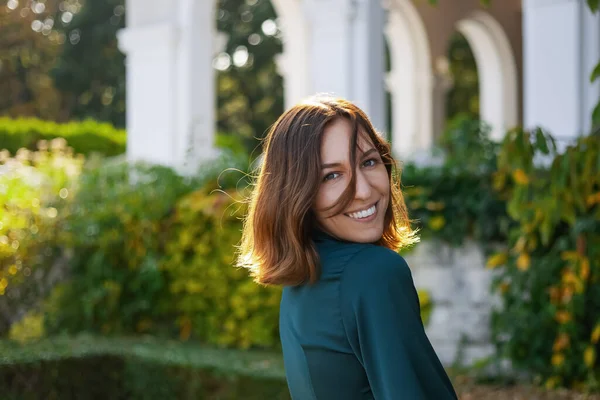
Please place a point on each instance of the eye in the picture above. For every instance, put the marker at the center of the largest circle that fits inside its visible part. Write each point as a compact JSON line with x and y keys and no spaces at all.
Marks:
{"x":330,"y":176}
{"x":370,"y":162}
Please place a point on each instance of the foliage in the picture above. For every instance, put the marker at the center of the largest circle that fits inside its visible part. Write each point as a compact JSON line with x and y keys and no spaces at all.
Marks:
{"x":142,"y":368}
{"x":116,"y":235}
{"x":548,"y":274}
{"x":250,"y":96}
{"x":455,"y":200}
{"x":212,"y":300}
{"x":29,"y":328}
{"x":90,"y":71}
{"x":463,"y":97}
{"x":34,"y":186}
{"x":28,"y":49}
{"x":84,"y":137}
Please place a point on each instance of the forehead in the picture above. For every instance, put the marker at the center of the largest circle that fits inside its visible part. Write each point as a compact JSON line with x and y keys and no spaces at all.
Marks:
{"x":335,"y":143}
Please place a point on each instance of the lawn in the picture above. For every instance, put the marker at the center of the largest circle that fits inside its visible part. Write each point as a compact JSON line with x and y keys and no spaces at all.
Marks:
{"x":151,"y":368}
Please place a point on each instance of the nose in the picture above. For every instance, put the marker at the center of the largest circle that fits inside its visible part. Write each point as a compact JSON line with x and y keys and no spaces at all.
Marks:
{"x":363,"y":186}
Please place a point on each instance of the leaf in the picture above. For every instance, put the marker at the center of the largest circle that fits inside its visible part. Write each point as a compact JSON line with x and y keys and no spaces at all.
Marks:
{"x":595,"y":73}
{"x":596,"y":116}
{"x":593,"y":5}
{"x":541,"y":142}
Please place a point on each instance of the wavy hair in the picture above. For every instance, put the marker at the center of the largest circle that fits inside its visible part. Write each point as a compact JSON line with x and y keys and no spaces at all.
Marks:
{"x":277,"y":245}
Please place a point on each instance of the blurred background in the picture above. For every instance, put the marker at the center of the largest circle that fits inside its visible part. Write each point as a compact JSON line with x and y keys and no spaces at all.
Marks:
{"x":128,"y":134}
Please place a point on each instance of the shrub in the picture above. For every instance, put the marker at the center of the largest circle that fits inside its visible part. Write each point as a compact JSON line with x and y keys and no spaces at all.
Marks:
{"x":34,"y":187}
{"x":549,"y":272}
{"x":84,"y":137}
{"x":213,"y":300}
{"x":115,"y":232}
{"x":455,"y":200}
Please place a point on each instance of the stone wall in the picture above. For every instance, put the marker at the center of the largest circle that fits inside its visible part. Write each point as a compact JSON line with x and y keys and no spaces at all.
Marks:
{"x":459,"y":286}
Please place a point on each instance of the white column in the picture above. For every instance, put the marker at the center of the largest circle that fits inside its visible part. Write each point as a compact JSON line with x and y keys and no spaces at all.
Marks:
{"x":292,"y":63}
{"x":170,"y":82}
{"x":369,"y":60}
{"x":346,"y":50}
{"x":195,"y":94}
{"x":561,"y":44}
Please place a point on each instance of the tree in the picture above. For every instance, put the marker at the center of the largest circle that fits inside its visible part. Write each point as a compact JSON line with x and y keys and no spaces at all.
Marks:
{"x":250,"y":94}
{"x":90,"y":71}
{"x":29,"y":45}
{"x":463,"y":98}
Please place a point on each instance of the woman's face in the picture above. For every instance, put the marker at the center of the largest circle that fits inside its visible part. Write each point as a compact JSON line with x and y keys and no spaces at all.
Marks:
{"x":363,"y":220}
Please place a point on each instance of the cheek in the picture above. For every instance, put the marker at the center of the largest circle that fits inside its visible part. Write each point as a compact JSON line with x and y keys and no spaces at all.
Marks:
{"x":327,"y":196}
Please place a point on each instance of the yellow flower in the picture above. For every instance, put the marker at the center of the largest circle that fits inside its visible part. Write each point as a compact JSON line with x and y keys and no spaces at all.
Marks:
{"x":496,"y":260}
{"x":437,"y":222}
{"x":589,"y":356}
{"x":562,"y":317}
{"x":592,"y":199}
{"x":558,"y":359}
{"x":520,"y":177}
{"x":585,"y":269}
{"x":596,"y":334}
{"x":562,"y":342}
{"x":523,"y":262}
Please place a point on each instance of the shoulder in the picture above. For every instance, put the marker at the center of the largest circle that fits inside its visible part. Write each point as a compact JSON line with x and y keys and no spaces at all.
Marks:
{"x":374,"y":267}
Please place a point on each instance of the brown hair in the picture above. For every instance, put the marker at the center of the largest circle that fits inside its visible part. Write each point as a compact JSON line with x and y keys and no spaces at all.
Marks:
{"x":277,"y":246}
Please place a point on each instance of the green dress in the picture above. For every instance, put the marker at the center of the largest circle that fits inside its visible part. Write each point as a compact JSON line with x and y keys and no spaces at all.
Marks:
{"x":357,"y":333}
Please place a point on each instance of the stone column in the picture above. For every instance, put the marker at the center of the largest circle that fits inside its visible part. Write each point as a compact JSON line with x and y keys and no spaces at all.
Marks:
{"x":561,"y":45}
{"x":170,"y":82}
{"x":346,"y":52}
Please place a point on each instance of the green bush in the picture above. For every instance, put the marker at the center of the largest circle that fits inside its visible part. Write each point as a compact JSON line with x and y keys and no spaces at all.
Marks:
{"x":455,"y":200}
{"x":84,"y":137}
{"x":214,"y":301}
{"x":549,"y":272}
{"x":115,"y":232}
{"x":34,"y":187}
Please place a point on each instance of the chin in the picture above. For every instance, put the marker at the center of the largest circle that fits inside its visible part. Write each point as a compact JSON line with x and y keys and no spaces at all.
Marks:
{"x":364,"y":236}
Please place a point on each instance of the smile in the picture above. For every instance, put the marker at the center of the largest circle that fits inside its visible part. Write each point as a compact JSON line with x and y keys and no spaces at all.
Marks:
{"x":363,"y":214}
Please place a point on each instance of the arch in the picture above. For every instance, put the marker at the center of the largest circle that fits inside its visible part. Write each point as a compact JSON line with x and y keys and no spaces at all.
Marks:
{"x":410,"y":79}
{"x":497,"y":70}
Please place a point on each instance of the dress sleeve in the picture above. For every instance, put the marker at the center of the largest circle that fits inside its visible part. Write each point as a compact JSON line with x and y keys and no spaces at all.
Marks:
{"x":381,"y":315}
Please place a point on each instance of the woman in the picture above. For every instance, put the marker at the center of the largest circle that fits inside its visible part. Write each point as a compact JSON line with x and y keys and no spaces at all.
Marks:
{"x":325,"y":221}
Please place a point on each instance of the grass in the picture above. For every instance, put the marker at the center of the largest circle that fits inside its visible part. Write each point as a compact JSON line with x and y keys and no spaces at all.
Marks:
{"x":168,"y":352}
{"x":251,"y":364}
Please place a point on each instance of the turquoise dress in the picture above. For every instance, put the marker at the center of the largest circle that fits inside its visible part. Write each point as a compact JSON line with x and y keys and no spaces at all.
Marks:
{"x":357,"y":333}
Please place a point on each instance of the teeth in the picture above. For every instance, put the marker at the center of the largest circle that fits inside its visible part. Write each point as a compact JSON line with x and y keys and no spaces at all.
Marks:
{"x":363,"y":213}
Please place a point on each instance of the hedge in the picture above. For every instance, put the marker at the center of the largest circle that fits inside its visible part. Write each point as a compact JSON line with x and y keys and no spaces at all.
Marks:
{"x":84,"y":137}
{"x":88,"y":367}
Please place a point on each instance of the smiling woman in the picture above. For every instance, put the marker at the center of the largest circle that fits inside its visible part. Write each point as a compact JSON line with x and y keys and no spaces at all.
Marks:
{"x":325,"y":221}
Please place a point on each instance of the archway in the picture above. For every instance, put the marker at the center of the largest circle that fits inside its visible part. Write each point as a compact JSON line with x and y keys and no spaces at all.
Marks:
{"x":462,"y":98}
{"x":410,"y":80}
{"x":497,"y":70}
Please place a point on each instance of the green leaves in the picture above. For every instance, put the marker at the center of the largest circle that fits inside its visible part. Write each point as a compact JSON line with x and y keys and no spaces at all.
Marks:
{"x":546,"y":320}
{"x":593,"y":5}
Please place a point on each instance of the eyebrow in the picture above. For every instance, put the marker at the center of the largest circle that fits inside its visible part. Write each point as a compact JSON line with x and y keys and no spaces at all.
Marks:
{"x":337,"y":164}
